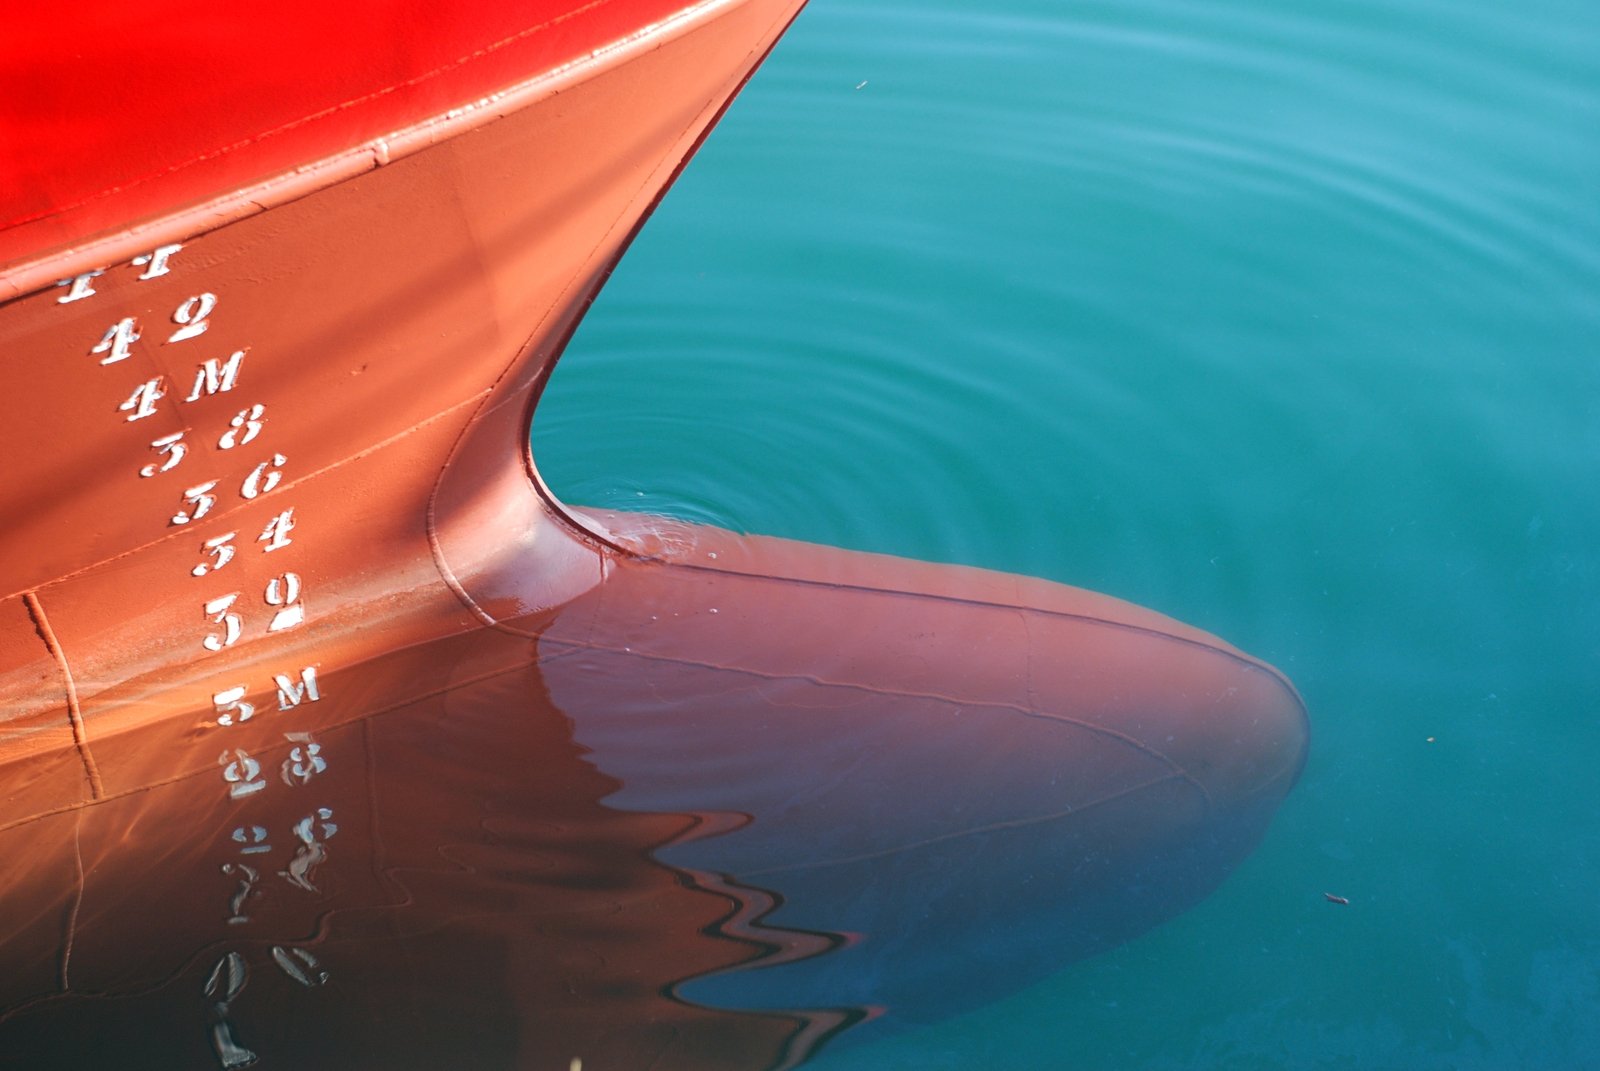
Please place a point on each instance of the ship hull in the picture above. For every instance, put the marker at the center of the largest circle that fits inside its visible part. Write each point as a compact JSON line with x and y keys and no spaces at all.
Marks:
{"x":306,"y":676}
{"x":340,"y":453}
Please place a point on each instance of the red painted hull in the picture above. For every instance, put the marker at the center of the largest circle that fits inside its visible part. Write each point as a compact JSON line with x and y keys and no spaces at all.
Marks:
{"x":274,"y":546}
{"x":371,"y":350}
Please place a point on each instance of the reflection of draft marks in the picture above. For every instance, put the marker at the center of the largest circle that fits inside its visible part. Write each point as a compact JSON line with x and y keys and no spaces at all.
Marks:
{"x":300,"y":965}
{"x":312,"y":830}
{"x":305,"y":759}
{"x":248,"y":876}
{"x":227,"y":980}
{"x":242,"y":773}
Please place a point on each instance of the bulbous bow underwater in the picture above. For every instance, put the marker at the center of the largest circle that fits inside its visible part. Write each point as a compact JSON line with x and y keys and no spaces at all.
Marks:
{"x":330,"y":738}
{"x":957,"y":780}
{"x":739,"y":798}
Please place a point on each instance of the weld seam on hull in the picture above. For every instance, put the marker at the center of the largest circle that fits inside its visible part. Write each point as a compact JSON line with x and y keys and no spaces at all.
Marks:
{"x":80,"y":735}
{"x":1238,"y":657}
{"x":362,"y":718}
{"x":287,"y":487}
{"x":821,"y":682}
{"x":1009,"y":823}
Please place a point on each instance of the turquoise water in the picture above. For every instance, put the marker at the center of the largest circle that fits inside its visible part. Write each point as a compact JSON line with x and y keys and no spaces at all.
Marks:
{"x":1281,"y":318}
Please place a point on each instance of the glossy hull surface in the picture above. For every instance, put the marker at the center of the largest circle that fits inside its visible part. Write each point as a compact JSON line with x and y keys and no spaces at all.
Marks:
{"x":329,"y":735}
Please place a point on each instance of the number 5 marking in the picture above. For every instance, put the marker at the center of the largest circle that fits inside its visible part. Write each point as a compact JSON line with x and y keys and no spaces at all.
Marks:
{"x":232,"y":624}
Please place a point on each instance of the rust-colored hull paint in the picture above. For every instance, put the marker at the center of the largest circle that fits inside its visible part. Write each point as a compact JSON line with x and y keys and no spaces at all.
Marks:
{"x":393,"y":328}
{"x":326,"y":730}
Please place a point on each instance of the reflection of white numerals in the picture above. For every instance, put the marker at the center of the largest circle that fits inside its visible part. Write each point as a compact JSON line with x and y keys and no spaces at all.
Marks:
{"x":218,"y":610}
{"x":312,"y":830}
{"x":227,"y":980}
{"x":200,"y":501}
{"x":192,"y":317}
{"x":305,"y":760}
{"x":119,"y":336}
{"x":300,"y":965}
{"x":242,"y":428}
{"x":231,"y":707}
{"x":242,"y":773}
{"x":252,"y":840}
{"x":284,"y":591}
{"x":264,"y":477}
{"x":248,"y":876}
{"x":171,"y":449}
{"x":221,"y":550}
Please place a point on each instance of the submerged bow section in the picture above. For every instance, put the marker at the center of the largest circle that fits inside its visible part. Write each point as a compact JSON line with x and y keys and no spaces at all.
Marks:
{"x":327,"y":732}
{"x":736,"y":798}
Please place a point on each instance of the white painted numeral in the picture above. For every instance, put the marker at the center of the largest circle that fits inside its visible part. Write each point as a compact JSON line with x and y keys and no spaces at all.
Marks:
{"x":221,"y":550}
{"x":242,"y":773}
{"x":264,"y":477}
{"x":243,"y":428}
{"x":82,"y":286}
{"x":142,"y":402}
{"x":284,"y":591}
{"x":230,"y":706}
{"x":276,"y":534}
{"x":171,"y":449}
{"x":218,"y":610}
{"x":157,"y":261}
{"x":118,"y":337}
{"x":200,"y":501}
{"x":291,"y":694}
{"x":216,"y":376}
{"x":193,"y":317}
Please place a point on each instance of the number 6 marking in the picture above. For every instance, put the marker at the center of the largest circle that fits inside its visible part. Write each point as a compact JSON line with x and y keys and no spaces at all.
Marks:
{"x":264,"y":477}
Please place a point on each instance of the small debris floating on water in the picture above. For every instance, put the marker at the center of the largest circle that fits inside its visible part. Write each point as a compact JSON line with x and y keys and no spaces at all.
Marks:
{"x":1332,"y":899}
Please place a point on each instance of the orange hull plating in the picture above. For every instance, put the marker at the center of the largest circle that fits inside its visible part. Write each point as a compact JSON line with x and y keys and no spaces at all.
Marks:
{"x":360,"y":392}
{"x":277,"y":566}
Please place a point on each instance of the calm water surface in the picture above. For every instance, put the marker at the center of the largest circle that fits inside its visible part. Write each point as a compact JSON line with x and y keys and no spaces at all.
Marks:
{"x":1281,"y":318}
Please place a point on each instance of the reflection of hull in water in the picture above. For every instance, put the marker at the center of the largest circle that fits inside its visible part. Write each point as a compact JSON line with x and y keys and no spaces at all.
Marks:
{"x":580,"y":772}
{"x":527,"y":843}
{"x":460,"y":898}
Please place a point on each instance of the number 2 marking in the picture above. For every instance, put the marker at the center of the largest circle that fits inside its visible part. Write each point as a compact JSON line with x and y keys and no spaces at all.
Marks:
{"x":193,"y":317}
